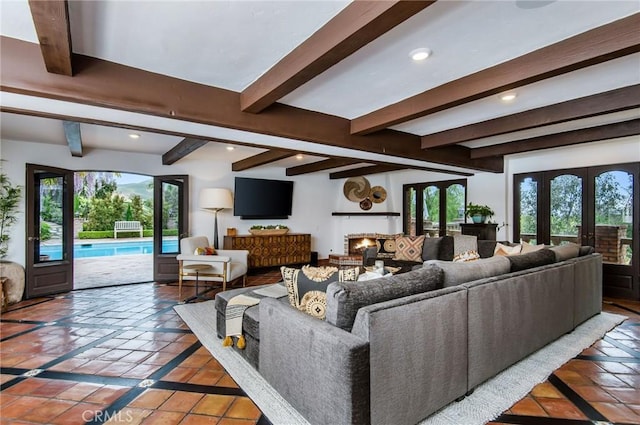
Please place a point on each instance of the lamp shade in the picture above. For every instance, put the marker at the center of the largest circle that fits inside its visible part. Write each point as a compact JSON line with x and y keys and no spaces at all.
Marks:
{"x":215,"y":199}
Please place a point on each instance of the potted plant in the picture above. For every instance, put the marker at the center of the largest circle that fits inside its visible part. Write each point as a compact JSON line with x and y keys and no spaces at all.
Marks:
{"x":478,"y":213}
{"x":11,"y":273}
{"x":278,"y":229}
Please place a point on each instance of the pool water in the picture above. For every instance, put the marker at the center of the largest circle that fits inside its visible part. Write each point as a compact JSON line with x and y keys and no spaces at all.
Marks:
{"x":108,"y":249}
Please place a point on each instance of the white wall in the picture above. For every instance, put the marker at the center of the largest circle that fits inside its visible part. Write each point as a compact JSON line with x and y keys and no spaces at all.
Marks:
{"x":315,"y":195}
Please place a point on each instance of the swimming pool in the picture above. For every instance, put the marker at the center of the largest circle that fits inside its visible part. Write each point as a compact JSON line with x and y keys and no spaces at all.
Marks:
{"x":108,"y":249}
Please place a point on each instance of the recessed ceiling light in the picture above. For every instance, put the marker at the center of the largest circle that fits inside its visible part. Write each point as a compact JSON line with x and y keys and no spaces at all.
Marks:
{"x":420,"y":54}
{"x":299,"y":156}
{"x":134,"y":136}
{"x":230,"y":148}
{"x":508,"y":97}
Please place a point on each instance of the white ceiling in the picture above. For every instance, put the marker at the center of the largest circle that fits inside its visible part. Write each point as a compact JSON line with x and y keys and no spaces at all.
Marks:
{"x":228,"y":44}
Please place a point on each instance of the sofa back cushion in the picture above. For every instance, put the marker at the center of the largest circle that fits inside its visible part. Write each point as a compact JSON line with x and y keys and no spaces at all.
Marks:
{"x":461,"y":272}
{"x":344,"y":299}
{"x":531,"y":259}
{"x":566,"y":251}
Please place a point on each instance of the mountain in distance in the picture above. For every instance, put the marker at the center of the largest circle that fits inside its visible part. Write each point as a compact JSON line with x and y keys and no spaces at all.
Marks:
{"x":143,"y":188}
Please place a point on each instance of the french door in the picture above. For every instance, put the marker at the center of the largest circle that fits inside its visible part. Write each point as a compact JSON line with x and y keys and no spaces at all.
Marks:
{"x":170,"y":224}
{"x":596,"y":206}
{"x":49,"y":231}
{"x":434,"y":208}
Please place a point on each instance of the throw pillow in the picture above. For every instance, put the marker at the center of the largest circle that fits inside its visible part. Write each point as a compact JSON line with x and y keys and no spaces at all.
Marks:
{"x":409,"y":248}
{"x":205,"y":250}
{"x":505,"y":250}
{"x":463,"y":243}
{"x":307,"y":287}
{"x":527,"y":247}
{"x":566,"y":251}
{"x":466,"y":256}
{"x":431,"y":248}
{"x":386,"y":247}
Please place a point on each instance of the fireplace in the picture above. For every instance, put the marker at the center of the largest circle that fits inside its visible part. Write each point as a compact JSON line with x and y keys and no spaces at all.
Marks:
{"x":356,"y":243}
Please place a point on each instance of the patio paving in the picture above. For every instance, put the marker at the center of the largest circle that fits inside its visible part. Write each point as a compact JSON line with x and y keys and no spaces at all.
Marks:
{"x":96,"y":272}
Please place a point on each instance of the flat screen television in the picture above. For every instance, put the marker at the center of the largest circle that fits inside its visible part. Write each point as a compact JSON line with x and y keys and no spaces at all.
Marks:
{"x":262,"y":198}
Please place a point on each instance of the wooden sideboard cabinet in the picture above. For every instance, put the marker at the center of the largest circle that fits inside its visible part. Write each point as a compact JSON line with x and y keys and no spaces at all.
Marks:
{"x":269,"y":251}
{"x":482,"y":231}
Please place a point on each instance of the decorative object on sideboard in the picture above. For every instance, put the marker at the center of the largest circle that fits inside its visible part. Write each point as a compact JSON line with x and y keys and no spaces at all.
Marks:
{"x":378,"y":194}
{"x":277,"y":229}
{"x":232,"y":231}
{"x":478,"y":213}
{"x":366,"y":204}
{"x":356,"y":189}
{"x":215,"y":199}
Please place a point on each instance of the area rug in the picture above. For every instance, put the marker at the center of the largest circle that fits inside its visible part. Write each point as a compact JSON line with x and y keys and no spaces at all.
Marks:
{"x":486,"y":403}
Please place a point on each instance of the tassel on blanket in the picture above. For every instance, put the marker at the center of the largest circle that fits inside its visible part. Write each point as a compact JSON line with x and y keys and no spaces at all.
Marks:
{"x":241,"y":343}
{"x":228,"y":342}
{"x":233,"y":323}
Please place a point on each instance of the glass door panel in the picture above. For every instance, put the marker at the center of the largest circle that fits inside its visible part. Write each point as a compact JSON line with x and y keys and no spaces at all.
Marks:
{"x":528,"y":206}
{"x":170,"y":217}
{"x":52,"y":243}
{"x":170,"y":223}
{"x":410,"y":209}
{"x":431,"y":211}
{"x":614,"y":217}
{"x":565,"y":209}
{"x":455,"y":203}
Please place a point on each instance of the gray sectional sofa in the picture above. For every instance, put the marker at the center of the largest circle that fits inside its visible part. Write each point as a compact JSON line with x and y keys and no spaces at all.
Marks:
{"x":397,"y":349}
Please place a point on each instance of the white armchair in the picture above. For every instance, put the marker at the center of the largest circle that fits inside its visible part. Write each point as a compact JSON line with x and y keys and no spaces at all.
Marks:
{"x":226,"y":266}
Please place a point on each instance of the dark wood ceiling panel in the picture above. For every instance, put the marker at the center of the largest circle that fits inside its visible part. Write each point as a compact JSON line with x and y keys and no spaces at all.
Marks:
{"x":592,"y":134}
{"x":182,"y":149}
{"x":353,"y":28}
{"x":601,"y":103}
{"x":263,"y":158}
{"x":51,"y":19}
{"x":102,"y":83}
{"x":73,"y":136}
{"x":614,"y":40}
{"x":326,"y":164}
{"x":385,"y":168}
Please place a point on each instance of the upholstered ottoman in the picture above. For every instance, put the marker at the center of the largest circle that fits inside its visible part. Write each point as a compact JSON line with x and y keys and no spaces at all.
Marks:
{"x":250,"y":320}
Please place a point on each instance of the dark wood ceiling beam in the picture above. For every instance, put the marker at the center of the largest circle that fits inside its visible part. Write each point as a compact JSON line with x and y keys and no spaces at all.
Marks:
{"x":386,"y":168}
{"x":610,"y":41}
{"x":182,"y":149}
{"x":263,"y":158}
{"x":568,"y":138}
{"x":51,"y":19}
{"x":323,"y":165}
{"x":106,"y":84}
{"x":73,"y":136}
{"x":602,"y":103}
{"x":353,"y":28}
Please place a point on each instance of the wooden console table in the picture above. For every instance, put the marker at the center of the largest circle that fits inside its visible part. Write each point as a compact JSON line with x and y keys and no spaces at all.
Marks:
{"x":482,"y":231}
{"x":276,"y":250}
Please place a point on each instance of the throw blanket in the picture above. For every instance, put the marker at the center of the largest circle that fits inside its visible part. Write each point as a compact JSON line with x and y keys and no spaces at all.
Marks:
{"x":233,"y":315}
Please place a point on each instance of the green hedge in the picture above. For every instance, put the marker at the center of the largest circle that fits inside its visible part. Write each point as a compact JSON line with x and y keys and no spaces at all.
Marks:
{"x":108,"y":234}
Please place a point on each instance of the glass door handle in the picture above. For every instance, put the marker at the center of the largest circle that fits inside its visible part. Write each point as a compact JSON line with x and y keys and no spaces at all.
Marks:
{"x":32,"y":239}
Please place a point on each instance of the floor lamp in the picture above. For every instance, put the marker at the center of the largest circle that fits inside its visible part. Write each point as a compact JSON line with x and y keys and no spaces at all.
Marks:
{"x":214,"y":199}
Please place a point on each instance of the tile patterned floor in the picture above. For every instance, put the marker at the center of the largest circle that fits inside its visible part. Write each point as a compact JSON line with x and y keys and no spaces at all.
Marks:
{"x":122,"y":355}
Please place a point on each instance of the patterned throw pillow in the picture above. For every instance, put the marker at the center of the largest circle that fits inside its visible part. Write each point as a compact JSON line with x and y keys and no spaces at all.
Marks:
{"x":506,"y":250}
{"x":409,"y":248}
{"x":466,"y":256}
{"x":307,"y":287}
{"x":207,"y":250}
{"x":527,"y":247}
{"x":386,"y":247}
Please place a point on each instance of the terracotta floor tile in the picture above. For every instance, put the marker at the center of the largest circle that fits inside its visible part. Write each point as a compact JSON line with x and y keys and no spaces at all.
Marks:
{"x":573,"y":378}
{"x":141,"y":371}
{"x":79,"y":391}
{"x":92,"y":367}
{"x":614,"y":367}
{"x":159,"y":359}
{"x":69,"y":364}
{"x":46,"y":410}
{"x":624,"y":395}
{"x":607,"y":380}
{"x":151,"y":399}
{"x":106,"y":395}
{"x":113,"y":355}
{"x":233,"y":421}
{"x":193,"y":419}
{"x":36,"y":361}
{"x":164,"y":418}
{"x":129,"y":416}
{"x":180,"y":374}
{"x":52,"y":388}
{"x":181,"y":401}
{"x":136,"y":356}
{"x":21,"y":407}
{"x":616,"y":412}
{"x":227,"y":381}
{"x":196,"y":360}
{"x":206,"y":377}
{"x":560,"y":408}
{"x":528,"y":407}
{"x":631,"y":380}
{"x":117,"y":368}
{"x":243,"y":408}
{"x":594,"y":393}
{"x":547,"y":390}
{"x":25,"y":387}
{"x":213,"y":404}
{"x":78,"y":414}
{"x":615,"y":352}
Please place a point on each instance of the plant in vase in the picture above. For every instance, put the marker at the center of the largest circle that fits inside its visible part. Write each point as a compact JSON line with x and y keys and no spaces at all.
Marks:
{"x":478,"y":213}
{"x":272,"y":229}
